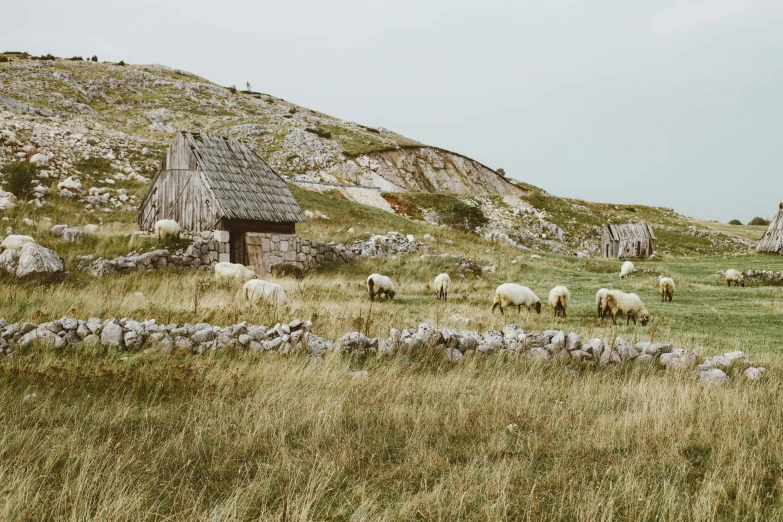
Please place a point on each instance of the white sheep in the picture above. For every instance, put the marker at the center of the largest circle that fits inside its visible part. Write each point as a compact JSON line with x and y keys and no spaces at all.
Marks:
{"x":258,"y":289}
{"x":732,"y":276}
{"x":232,"y":271}
{"x":559,"y":297}
{"x":666,"y":285}
{"x":511,"y":294}
{"x":378,"y":284}
{"x":165,"y":228}
{"x":630,"y":305}
{"x":600,"y":295}
{"x":15,"y":242}
{"x":442,"y":286}
{"x":627,"y":269}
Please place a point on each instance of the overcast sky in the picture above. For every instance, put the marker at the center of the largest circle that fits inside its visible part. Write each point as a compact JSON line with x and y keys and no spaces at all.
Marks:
{"x":661,"y":102}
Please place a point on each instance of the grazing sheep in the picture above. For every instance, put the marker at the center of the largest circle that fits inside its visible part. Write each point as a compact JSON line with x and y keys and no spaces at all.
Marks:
{"x":379,"y":284}
{"x":258,"y":289}
{"x":165,"y":228}
{"x":442,"y":286}
{"x":666,"y":284}
{"x":732,"y":276}
{"x":559,"y":297}
{"x":511,"y":294}
{"x":599,"y":301}
{"x":15,"y":242}
{"x":627,"y":269}
{"x":231,"y":271}
{"x":630,"y":305}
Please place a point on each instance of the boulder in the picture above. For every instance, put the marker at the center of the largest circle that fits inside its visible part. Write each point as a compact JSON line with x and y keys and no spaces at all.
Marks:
{"x":753,"y":373}
{"x":73,"y":234}
{"x":111,"y":335}
{"x":37,"y":262}
{"x":713,"y":377}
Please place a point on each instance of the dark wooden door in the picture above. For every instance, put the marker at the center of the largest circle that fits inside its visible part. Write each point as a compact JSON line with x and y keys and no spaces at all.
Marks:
{"x":254,"y":254}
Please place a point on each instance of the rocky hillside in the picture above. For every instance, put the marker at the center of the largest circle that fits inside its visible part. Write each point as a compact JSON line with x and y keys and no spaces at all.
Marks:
{"x":98,"y":130}
{"x":140,"y":105}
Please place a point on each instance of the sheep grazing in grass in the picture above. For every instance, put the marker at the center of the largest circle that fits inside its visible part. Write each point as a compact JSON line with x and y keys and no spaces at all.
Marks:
{"x":666,"y":285}
{"x":442,"y":286}
{"x":378,"y":284}
{"x":511,"y":294}
{"x":732,"y":276}
{"x":165,"y":228}
{"x":627,"y":269}
{"x":559,"y":297}
{"x":235,"y":272}
{"x":15,"y":242}
{"x":257,"y":290}
{"x":600,"y":295}
{"x":629,"y":305}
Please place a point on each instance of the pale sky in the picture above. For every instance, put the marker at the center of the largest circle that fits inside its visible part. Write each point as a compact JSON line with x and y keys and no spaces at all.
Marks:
{"x":660,"y":102}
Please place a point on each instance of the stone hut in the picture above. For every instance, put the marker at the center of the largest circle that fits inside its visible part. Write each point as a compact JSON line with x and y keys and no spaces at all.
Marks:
{"x":772,"y":242}
{"x":213,"y":183}
{"x":630,"y":240}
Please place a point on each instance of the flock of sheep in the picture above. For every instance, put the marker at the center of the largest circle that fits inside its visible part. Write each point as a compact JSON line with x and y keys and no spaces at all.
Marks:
{"x":608,"y":302}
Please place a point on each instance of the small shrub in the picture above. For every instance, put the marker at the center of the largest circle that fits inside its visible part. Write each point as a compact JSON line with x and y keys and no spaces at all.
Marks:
{"x":233,"y":89}
{"x":19,"y":179}
{"x":121,"y":62}
{"x":3,"y":59}
{"x":630,"y":209}
{"x":94,"y":58}
{"x":94,"y":166}
{"x":759,"y":221}
{"x":462,"y":216}
{"x":735,"y":222}
{"x":47,"y":56}
{"x":502,"y":172}
{"x":76,"y":59}
{"x":319,"y":132}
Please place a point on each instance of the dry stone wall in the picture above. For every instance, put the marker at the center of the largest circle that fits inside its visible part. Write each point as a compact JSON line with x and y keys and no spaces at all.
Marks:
{"x":296,"y":337}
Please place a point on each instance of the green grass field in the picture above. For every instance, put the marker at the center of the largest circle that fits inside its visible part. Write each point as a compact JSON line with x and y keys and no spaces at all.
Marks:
{"x":115,"y":436}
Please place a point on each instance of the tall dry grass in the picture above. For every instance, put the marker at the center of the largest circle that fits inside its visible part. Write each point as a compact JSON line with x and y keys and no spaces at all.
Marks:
{"x":273,"y":438}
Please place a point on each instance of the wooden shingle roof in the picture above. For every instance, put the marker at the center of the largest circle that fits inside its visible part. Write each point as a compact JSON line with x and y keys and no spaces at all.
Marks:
{"x":244,"y":186}
{"x":773,"y":237}
{"x":629,"y":231}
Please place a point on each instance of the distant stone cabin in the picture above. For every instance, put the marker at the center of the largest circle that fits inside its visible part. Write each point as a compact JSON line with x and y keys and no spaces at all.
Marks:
{"x":209,"y":183}
{"x":772,"y":241}
{"x":631,"y":240}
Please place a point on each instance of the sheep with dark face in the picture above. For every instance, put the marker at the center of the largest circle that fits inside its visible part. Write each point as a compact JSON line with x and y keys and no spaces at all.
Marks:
{"x":511,"y":294}
{"x":378,"y":284}
{"x":629,"y":305}
{"x":736,"y":277}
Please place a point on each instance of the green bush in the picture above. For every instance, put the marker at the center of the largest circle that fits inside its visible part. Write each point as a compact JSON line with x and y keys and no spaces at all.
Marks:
{"x":76,"y":58}
{"x":94,"y":58}
{"x":47,"y":56}
{"x":319,"y":132}
{"x":3,"y":59}
{"x":462,"y":216}
{"x":735,"y":222}
{"x":19,"y":179}
{"x":758,"y":221}
{"x":121,"y":62}
{"x":502,"y":172}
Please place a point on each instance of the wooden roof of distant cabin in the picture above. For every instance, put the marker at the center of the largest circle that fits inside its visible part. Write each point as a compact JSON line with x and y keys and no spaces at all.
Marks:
{"x":773,"y":237}
{"x":630,"y":230}
{"x":244,"y":186}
